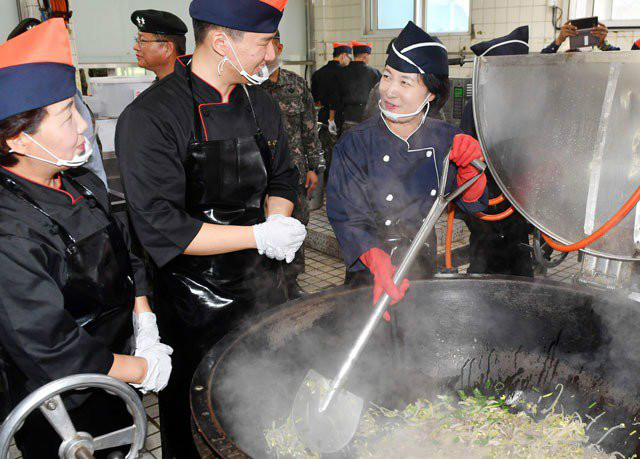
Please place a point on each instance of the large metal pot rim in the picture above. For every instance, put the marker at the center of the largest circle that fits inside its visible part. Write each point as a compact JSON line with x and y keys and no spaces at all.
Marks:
{"x":203,"y":415}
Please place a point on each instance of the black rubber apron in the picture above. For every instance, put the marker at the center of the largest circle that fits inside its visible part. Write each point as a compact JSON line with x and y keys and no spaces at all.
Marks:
{"x":99,"y":293}
{"x":199,"y":299}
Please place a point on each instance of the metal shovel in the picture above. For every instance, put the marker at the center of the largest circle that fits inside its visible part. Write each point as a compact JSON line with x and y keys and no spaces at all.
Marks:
{"x":326,"y":416}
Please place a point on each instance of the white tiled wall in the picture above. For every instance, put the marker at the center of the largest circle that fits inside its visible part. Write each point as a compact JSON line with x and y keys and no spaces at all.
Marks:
{"x":343,"y":20}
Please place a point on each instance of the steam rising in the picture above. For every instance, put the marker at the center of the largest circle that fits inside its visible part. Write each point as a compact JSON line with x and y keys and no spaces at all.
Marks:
{"x":456,"y":334}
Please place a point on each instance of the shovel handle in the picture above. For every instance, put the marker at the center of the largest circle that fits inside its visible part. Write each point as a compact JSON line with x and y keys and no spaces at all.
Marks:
{"x":479,"y":164}
{"x":383,"y":303}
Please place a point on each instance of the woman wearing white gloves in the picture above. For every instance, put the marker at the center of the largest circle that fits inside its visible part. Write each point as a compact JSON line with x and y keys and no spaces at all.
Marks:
{"x":68,"y":285}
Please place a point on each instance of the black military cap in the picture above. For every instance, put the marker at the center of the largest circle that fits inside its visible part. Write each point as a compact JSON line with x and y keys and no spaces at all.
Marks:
{"x":22,"y":27}
{"x":159,"y":22}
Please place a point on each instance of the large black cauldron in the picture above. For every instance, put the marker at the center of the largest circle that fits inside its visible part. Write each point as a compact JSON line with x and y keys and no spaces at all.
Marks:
{"x":457,"y":332}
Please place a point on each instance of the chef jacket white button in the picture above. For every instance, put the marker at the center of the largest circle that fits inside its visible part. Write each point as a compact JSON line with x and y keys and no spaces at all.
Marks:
{"x":388,"y":223}
{"x":389,"y":197}
{"x":429,"y":154}
{"x":433,"y":192}
{"x":385,"y":158}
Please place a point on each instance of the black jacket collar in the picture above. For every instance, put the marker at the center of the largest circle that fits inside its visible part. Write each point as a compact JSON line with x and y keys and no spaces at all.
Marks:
{"x":203,"y":92}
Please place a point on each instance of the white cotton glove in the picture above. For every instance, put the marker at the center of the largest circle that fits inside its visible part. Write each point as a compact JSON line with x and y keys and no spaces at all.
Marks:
{"x":158,"y":368}
{"x":145,"y":330}
{"x":279,"y":237}
{"x":332,"y":127}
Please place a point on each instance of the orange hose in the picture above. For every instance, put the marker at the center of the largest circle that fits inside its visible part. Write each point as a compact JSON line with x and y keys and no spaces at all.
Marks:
{"x":447,"y":254}
{"x":613,"y":221}
{"x":494,"y":217}
{"x":496,"y":201}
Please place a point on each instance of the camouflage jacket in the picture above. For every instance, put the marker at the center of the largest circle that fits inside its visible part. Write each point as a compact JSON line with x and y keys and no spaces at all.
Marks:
{"x":298,"y":113}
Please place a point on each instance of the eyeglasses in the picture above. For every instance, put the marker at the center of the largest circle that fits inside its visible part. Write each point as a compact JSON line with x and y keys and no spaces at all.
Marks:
{"x":141,"y":42}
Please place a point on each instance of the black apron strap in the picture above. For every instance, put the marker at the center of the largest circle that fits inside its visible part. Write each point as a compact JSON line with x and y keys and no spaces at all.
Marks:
{"x":86,"y":193}
{"x":12,"y":187}
{"x":197,"y":121}
{"x":261,"y":141}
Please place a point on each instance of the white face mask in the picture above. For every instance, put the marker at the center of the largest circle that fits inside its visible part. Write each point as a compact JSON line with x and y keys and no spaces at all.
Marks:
{"x":399,"y":116}
{"x":275,"y":65}
{"x":255,"y":79}
{"x":76,"y":161}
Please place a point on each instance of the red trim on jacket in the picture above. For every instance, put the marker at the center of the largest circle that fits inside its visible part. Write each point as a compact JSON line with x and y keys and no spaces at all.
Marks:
{"x":213,"y":87}
{"x":57,"y":188}
{"x":204,"y":127}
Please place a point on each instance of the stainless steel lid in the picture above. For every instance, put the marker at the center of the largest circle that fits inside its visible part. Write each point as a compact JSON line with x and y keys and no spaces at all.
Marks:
{"x":561,"y":133}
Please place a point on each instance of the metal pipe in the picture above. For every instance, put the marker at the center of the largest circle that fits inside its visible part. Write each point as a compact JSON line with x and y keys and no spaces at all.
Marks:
{"x":84,"y":453}
{"x":19,"y":8}
{"x":311,"y":43}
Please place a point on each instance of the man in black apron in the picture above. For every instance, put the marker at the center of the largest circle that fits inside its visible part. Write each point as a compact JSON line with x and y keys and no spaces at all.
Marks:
{"x":325,"y":88}
{"x":356,"y":82}
{"x":202,"y":154}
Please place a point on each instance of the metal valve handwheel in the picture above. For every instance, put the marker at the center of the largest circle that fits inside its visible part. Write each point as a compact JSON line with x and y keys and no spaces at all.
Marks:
{"x":539,"y":249}
{"x":78,"y":445}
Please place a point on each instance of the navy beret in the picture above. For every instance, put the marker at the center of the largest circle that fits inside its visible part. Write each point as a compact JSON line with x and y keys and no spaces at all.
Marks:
{"x":517,"y":42}
{"x":415,"y":51}
{"x":360,"y":48}
{"x":259,"y":16}
{"x":339,"y":48}
{"x":158,"y":22}
{"x":36,"y":69}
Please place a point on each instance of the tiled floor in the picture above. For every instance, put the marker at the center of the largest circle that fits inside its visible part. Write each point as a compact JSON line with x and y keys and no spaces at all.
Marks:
{"x":153,"y":427}
{"x":321,"y":236}
{"x":322,"y":272}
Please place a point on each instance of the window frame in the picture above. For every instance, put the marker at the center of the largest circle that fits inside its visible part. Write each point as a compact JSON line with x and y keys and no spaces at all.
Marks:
{"x":447,"y":34}
{"x":590,"y":5}
{"x":371,"y":20}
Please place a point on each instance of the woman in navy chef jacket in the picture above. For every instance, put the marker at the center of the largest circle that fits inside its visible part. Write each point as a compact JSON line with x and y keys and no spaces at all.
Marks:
{"x":71,"y":295}
{"x":386,"y":171}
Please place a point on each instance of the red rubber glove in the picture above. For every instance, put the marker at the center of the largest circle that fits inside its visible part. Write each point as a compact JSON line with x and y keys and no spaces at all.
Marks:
{"x":379,"y":263}
{"x":464,"y":150}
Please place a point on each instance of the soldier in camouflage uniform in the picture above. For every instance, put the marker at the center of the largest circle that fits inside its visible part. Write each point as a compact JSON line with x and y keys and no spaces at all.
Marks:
{"x":293,"y":96}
